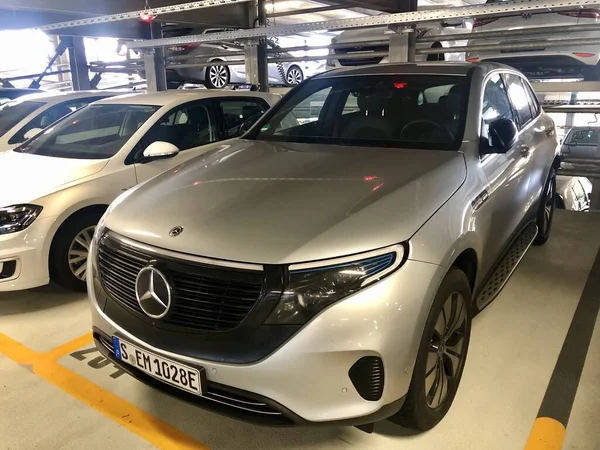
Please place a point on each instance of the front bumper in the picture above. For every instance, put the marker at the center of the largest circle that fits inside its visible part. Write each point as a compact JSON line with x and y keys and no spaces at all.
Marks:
{"x":306,"y":379}
{"x":24,"y":257}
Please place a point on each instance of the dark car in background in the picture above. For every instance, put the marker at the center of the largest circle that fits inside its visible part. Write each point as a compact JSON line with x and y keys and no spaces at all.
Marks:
{"x":8,"y":94}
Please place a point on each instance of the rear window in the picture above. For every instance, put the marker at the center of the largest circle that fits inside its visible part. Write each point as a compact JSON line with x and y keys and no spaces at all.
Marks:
{"x":584,"y":137}
{"x":13,"y":112}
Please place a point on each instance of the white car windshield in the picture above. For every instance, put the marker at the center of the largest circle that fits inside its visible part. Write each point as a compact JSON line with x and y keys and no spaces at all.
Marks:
{"x":13,"y":112}
{"x":93,"y":132}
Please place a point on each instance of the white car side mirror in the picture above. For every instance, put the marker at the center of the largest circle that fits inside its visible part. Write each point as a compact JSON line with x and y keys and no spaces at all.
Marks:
{"x":31,"y":133}
{"x":160,"y":149}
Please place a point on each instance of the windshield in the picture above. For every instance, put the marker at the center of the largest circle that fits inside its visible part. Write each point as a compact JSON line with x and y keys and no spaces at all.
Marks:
{"x":409,"y":111}
{"x":93,"y":132}
{"x":587,"y":136}
{"x":13,"y":112}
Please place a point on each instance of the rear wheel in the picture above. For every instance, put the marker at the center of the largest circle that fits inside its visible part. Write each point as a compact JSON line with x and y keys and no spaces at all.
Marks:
{"x":442,"y":355}
{"x":546,"y":210}
{"x":70,"y":248}
{"x":294,"y":76}
{"x":217,"y":77}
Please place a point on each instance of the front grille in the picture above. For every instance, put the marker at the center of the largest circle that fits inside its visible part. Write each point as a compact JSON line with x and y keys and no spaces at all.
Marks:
{"x":205,"y":298}
{"x":232,"y":399}
{"x":360,"y":61}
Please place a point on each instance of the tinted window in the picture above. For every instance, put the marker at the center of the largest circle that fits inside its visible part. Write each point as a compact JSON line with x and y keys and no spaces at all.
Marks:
{"x":94,"y":132}
{"x":583,"y":137}
{"x":186,"y":127}
{"x":411,"y":111}
{"x":534,"y":103}
{"x":495,"y":104}
{"x":240,"y":112}
{"x":520,"y":99}
{"x":12,"y":113}
{"x":49,"y":116}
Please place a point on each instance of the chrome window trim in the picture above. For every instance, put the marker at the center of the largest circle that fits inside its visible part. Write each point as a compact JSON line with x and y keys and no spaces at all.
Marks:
{"x":184,"y":256}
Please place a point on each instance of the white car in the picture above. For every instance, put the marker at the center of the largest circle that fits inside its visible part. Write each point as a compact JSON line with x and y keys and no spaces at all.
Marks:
{"x":573,"y":193}
{"x":56,"y":186}
{"x":539,"y":63}
{"x":369,"y":40}
{"x":27,"y":115}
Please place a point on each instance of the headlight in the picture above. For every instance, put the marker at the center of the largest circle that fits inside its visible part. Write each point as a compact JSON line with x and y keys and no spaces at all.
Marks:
{"x":311,"y":289}
{"x":17,"y":217}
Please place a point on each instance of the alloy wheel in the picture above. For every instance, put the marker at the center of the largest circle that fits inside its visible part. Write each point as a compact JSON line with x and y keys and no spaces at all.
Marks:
{"x":447,"y":350}
{"x":294,"y":76}
{"x":218,"y":76}
{"x":78,"y":252}
{"x":549,"y":205}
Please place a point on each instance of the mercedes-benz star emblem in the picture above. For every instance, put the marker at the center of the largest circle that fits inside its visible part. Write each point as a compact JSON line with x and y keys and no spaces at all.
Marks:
{"x":153,"y":292}
{"x":175,"y":231}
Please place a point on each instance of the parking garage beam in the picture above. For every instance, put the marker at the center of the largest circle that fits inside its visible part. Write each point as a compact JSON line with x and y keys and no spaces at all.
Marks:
{"x":154,"y":62}
{"x":77,"y":60}
{"x":261,"y":51}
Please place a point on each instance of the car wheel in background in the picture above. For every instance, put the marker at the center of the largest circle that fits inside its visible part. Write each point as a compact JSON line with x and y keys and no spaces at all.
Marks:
{"x":436,"y":57}
{"x":69,"y":250}
{"x":294,"y":76}
{"x":442,"y":355}
{"x":546,"y":210}
{"x":217,"y":77}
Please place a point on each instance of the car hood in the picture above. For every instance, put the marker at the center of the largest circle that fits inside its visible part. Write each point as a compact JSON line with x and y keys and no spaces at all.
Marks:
{"x":273,"y":203}
{"x":25,"y":178}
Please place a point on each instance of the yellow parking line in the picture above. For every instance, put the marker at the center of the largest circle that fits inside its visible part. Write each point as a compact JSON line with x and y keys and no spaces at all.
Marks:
{"x":546,"y":434}
{"x":148,"y":427}
{"x":69,"y":347}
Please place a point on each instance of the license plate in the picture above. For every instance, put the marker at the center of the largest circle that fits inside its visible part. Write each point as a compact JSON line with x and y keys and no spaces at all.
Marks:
{"x":171,"y":372}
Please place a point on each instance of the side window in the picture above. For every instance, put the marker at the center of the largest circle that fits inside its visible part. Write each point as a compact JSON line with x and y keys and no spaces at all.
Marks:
{"x":520,"y":99}
{"x":536,"y":109}
{"x":240,"y":112}
{"x":188,"y":126}
{"x":51,"y":115}
{"x":579,"y":192}
{"x":495,"y":104}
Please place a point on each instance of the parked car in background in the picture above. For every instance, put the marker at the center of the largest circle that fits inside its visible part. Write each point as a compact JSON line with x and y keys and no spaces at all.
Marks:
{"x":8,"y":94}
{"x":56,"y":186}
{"x":26,"y":116}
{"x":574,"y":61}
{"x":573,"y":193}
{"x":582,"y":142}
{"x":219,"y":76}
{"x":327,"y":270}
{"x":376,"y":40}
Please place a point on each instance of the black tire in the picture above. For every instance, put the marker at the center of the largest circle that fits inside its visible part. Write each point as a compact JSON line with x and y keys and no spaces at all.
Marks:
{"x":420,"y":411}
{"x":60,"y":268}
{"x":291,"y":80}
{"x":217,"y":77}
{"x":546,"y":209}
{"x":438,"y":56}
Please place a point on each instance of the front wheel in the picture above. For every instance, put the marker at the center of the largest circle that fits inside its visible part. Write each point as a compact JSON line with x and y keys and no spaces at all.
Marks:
{"x":294,"y":76}
{"x":217,"y":77}
{"x":545,"y":214}
{"x":442,"y":355}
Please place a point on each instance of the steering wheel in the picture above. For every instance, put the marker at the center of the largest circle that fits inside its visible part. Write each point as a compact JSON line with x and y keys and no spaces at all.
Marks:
{"x":426,"y":122}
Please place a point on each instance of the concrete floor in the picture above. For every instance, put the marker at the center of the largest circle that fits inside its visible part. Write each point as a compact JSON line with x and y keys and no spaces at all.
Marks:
{"x":56,"y":395}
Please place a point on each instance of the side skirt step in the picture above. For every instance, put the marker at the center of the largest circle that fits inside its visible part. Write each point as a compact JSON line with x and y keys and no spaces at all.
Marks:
{"x":506,"y":266}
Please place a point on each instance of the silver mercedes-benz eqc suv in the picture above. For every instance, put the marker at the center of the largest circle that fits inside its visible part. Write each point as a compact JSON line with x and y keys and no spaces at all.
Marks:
{"x":325,"y":267}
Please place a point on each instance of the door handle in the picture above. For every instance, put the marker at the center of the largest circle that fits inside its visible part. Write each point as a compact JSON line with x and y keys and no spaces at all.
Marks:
{"x":525,"y":150}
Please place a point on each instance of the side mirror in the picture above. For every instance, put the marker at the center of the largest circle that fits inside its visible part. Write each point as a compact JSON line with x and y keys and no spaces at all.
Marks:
{"x":503,"y":134}
{"x":160,"y":150}
{"x":31,"y":133}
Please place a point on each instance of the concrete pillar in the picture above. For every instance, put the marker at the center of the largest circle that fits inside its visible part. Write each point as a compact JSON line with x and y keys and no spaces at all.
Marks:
{"x":78,"y":62}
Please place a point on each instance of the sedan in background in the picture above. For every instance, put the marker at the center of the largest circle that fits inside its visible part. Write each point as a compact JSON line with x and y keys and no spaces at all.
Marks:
{"x":570,"y":61}
{"x":56,"y":186}
{"x":26,"y":116}
{"x":573,"y":193}
{"x":582,"y":142}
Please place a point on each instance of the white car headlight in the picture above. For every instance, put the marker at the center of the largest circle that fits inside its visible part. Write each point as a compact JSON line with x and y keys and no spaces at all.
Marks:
{"x":17,"y":217}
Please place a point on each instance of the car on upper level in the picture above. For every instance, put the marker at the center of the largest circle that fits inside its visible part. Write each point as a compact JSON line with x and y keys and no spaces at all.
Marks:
{"x":27,"y":115}
{"x":326,"y":270}
{"x":376,"y":40}
{"x":218,"y":76}
{"x":561,"y":62}
{"x":582,"y":142}
{"x":55,"y":187}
